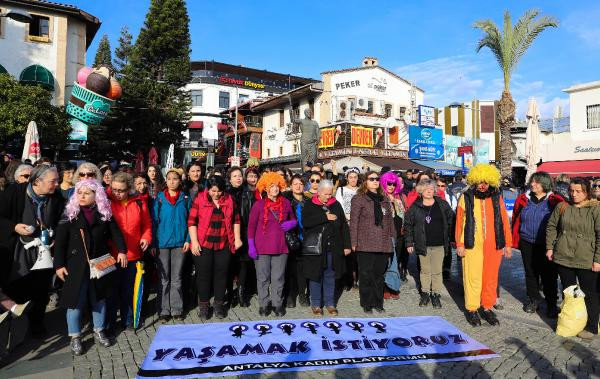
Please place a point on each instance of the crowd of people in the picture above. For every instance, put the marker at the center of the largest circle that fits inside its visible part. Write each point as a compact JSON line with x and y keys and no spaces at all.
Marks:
{"x":291,"y":239}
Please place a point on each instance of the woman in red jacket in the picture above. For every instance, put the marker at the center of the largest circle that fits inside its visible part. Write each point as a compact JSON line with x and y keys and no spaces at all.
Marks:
{"x":133,"y":218}
{"x":214,"y":227}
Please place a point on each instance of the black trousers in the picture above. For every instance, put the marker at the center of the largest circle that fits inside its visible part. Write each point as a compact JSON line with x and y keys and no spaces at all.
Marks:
{"x":33,"y":286}
{"x":211,"y":273}
{"x":537,"y":266}
{"x":371,"y":269}
{"x":588,"y":283}
{"x":295,"y":281}
{"x":351,"y":270}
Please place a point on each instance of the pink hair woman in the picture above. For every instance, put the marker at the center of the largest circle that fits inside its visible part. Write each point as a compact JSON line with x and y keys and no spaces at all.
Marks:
{"x":83,"y":235}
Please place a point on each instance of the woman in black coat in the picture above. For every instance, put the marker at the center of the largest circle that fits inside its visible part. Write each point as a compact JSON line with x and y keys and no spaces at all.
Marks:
{"x":324,"y":212}
{"x":428,"y":231}
{"x":84,"y":235}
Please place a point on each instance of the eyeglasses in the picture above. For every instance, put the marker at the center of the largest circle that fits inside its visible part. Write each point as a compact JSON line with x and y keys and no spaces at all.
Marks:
{"x":87,"y":174}
{"x":391,"y":184}
{"x":373,"y":179}
{"x":118,"y":190}
{"x":315,"y":180}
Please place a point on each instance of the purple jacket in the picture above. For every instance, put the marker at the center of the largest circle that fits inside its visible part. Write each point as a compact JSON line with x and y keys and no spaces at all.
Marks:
{"x":269,"y":239}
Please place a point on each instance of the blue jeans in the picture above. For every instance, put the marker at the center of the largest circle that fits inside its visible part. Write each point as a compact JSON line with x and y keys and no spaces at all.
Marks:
{"x":327,"y":285}
{"x":122,"y":297}
{"x":86,"y":292}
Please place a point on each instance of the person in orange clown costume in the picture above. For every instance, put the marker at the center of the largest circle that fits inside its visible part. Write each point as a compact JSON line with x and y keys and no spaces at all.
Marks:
{"x":482,"y":237}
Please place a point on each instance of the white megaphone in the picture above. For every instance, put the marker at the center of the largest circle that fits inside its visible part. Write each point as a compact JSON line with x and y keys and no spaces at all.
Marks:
{"x":44,"y":258}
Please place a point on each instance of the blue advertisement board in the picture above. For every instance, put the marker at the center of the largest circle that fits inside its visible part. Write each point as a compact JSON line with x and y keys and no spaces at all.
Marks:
{"x":425,"y":143}
{"x":79,"y":130}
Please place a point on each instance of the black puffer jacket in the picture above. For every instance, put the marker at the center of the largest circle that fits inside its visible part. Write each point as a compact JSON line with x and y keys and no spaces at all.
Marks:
{"x":414,"y":226}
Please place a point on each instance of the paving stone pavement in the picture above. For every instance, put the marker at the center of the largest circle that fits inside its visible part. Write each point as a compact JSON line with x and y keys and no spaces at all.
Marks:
{"x":526,"y":343}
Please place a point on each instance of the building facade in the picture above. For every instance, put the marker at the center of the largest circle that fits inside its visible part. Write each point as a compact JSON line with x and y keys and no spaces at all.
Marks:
{"x":50,"y":49}
{"x":215,"y":89}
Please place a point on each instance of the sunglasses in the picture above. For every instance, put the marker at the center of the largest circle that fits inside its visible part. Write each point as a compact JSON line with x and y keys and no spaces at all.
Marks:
{"x":373,"y":179}
{"x":391,"y":184}
{"x":315,"y":180}
{"x":595,"y":185}
{"x":87,"y":174}
{"x":26,"y":176}
{"x":118,"y":190}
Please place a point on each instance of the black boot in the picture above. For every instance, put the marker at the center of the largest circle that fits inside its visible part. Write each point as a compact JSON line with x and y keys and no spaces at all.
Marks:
{"x":291,"y":302}
{"x":203,"y":311}
{"x":303,"y":300}
{"x":279,"y":311}
{"x":531,"y":306}
{"x":244,"y":303}
{"x":264,"y":311}
{"x":220,"y":311}
{"x":473,"y":318}
{"x":489,"y":316}
{"x":435,"y":300}
{"x":76,"y":346}
{"x":424,"y":299}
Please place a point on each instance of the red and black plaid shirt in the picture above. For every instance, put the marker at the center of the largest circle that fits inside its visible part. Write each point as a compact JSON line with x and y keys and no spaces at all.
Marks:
{"x":216,"y":235}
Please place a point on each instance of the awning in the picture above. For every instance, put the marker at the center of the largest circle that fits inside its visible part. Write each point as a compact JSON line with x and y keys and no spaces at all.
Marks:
{"x":195,"y":124}
{"x":37,"y":74}
{"x":3,"y":70}
{"x":439,"y":167}
{"x":572,"y":168}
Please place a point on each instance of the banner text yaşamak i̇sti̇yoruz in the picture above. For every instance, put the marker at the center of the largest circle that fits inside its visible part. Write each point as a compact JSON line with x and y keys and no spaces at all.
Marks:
{"x":220,"y":349}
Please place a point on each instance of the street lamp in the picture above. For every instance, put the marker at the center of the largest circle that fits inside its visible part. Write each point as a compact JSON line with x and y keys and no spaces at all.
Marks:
{"x":18,"y":15}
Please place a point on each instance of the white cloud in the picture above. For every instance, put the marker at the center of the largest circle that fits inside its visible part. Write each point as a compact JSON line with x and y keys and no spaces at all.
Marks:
{"x":463,"y":78}
{"x":585,"y":25}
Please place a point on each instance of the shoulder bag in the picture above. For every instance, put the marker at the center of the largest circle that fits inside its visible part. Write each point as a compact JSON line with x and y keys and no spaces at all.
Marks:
{"x":100,"y":266}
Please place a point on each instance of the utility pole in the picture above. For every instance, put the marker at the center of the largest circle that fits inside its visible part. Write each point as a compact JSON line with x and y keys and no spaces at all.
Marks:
{"x":235,"y":127}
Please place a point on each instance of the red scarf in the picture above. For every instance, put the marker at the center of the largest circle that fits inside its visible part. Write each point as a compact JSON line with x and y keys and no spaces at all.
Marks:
{"x":315,"y":200}
{"x":275,"y":206}
{"x":171,"y":199}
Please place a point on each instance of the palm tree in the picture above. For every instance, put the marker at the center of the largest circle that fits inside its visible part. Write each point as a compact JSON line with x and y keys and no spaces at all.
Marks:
{"x":509,"y":46}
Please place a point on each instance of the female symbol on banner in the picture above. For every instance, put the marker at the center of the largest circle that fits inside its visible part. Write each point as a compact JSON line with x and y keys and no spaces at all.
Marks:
{"x":287,"y":328}
{"x":238,"y":330}
{"x":380,"y":326}
{"x":311,"y":326}
{"x":334,"y":326}
{"x":263,"y":329}
{"x":356,"y":326}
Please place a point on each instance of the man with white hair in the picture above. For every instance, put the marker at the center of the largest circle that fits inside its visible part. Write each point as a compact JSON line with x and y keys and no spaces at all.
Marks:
{"x":29,"y":211}
{"x":22,"y":173}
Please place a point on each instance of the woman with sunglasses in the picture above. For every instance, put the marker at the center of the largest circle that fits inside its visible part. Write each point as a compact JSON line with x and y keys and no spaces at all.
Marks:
{"x":313,"y":184}
{"x":86,"y":170}
{"x":371,"y":231}
{"x":392,"y":186}
{"x":596,"y":189}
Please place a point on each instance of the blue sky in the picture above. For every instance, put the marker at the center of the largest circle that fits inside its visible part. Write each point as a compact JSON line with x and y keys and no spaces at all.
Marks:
{"x":429,"y":42}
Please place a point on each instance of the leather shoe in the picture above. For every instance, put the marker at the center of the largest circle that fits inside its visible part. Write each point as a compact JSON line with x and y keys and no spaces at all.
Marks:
{"x":531,"y":307}
{"x":379,"y":309}
{"x":489,"y":316}
{"x":279,"y":311}
{"x":316,"y":311}
{"x":264,"y":311}
{"x":332,"y":311}
{"x":424,"y":299}
{"x":303,"y":300}
{"x":76,"y":346}
{"x":101,"y":338}
{"x":473,"y":318}
{"x":435,"y":300}
{"x":291,"y":302}
{"x":368,"y":310}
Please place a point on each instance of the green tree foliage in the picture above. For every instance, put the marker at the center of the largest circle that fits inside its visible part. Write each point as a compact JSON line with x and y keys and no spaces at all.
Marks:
{"x":508,"y":46}
{"x":124,"y":50}
{"x":103,"y":54}
{"x":20,"y":104}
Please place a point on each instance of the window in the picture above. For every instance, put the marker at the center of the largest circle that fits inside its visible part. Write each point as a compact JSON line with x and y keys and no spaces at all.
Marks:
{"x":280,"y":151}
{"x":268,"y":153}
{"x":296,"y":109}
{"x":39,"y":26}
{"x":242,"y":98}
{"x":369,"y":107}
{"x":281,"y":118}
{"x":195,"y":134}
{"x":593,"y":116}
{"x":454,"y":130}
{"x":388,"y":110}
{"x":223,"y":99}
{"x":196,"y":96}
{"x":311,"y":106}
